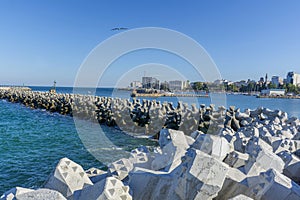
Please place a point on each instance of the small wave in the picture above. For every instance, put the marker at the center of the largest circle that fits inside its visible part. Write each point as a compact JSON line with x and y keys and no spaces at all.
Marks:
{"x":106,"y":148}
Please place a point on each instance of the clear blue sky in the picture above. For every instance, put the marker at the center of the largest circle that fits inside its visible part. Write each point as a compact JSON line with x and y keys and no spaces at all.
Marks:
{"x":42,"y":41}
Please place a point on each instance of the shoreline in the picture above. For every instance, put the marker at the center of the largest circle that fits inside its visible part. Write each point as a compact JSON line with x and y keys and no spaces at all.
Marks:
{"x":279,"y":97}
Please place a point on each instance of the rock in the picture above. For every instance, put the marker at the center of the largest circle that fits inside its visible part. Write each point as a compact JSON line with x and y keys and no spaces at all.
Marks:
{"x":68,"y":177}
{"x":109,"y":188}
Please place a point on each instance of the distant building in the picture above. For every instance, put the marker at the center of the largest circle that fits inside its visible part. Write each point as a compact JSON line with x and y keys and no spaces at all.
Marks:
{"x":146,"y":82}
{"x":273,"y":92}
{"x":240,"y":83}
{"x":136,"y":84}
{"x":150,"y":83}
{"x":293,"y":78}
{"x":164,"y":86}
{"x":276,"y":80}
{"x":261,"y":80}
{"x":218,"y":82}
{"x":177,"y":85}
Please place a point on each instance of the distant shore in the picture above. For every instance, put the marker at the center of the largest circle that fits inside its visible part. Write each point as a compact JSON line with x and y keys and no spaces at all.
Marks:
{"x":279,"y":97}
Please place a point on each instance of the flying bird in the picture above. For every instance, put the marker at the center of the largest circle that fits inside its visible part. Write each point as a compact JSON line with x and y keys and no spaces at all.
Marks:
{"x":119,"y":29}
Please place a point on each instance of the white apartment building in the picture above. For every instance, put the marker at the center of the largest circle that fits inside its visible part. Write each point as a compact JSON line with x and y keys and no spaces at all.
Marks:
{"x":177,"y":85}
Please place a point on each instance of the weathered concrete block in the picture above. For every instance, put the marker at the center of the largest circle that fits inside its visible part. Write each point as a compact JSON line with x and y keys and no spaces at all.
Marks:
{"x":283,"y":145}
{"x":120,"y":168}
{"x":261,"y":158}
{"x":42,"y":194}
{"x":233,"y":184}
{"x":236,"y":159}
{"x":96,"y":174}
{"x":109,"y":188}
{"x":149,"y":184}
{"x":195,"y":134}
{"x":68,"y":177}
{"x":210,"y":171}
{"x":141,"y":157}
{"x":216,"y":146}
{"x":240,"y":197}
{"x":292,"y":165}
{"x":173,"y":145}
{"x":199,"y":176}
{"x":272,"y":185}
{"x":19,"y":193}
{"x":239,"y":142}
{"x":14,"y":193}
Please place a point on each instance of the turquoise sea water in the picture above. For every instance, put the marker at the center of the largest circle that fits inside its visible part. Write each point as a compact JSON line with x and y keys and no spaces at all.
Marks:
{"x":33,"y":141}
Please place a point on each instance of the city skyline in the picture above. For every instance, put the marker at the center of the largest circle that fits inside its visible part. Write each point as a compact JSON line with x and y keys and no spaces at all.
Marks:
{"x":46,"y":41}
{"x":271,"y":78}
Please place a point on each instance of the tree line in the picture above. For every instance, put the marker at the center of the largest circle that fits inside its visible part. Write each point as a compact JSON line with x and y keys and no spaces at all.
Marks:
{"x":244,"y":88}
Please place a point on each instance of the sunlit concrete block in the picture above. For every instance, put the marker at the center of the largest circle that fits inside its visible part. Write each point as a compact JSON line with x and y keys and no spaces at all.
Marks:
{"x":109,"y":188}
{"x":68,"y":177}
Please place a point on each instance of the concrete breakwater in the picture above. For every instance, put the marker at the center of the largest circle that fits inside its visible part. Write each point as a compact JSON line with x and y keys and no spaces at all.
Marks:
{"x":260,"y":160}
{"x":136,"y":117}
{"x":279,"y":97}
{"x":167,"y":95}
{"x":139,"y":117}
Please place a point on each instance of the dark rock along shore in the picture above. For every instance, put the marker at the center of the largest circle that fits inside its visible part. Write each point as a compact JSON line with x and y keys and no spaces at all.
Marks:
{"x":203,"y":153}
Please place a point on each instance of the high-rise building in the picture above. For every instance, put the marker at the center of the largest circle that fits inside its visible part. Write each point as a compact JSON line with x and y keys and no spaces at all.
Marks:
{"x":150,"y":82}
{"x":146,"y":82}
{"x":293,"y":78}
{"x":276,"y":80}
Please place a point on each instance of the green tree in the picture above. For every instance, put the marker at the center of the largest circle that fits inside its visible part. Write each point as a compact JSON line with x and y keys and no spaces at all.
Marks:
{"x":290,"y":88}
{"x":199,"y":86}
{"x":272,"y":86}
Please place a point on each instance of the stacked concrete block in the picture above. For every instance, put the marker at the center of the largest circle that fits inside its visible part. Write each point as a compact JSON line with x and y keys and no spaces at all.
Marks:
{"x":68,"y":177}
{"x":120,"y":168}
{"x":107,"y":189}
{"x":19,"y":193}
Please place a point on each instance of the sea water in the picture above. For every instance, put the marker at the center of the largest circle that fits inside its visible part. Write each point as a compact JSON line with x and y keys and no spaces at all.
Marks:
{"x":33,"y":141}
